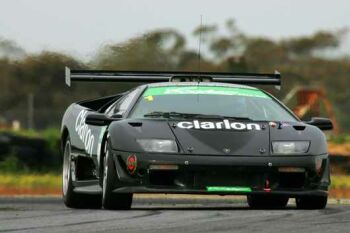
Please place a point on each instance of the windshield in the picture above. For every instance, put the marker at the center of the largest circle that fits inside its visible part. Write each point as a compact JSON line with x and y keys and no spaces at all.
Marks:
{"x":211,"y":101}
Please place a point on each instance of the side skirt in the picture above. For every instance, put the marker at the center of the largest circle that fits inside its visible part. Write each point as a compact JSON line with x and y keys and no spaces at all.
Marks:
{"x":87,"y":187}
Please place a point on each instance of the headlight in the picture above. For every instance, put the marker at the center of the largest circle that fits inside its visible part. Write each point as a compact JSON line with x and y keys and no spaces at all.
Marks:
{"x":158,"y":145}
{"x":290,"y":147}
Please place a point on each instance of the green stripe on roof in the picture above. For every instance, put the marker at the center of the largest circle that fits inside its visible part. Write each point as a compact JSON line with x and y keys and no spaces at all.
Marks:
{"x":203,"y":90}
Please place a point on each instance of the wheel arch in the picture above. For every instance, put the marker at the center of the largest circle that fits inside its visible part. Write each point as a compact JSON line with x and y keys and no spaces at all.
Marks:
{"x":102,"y":155}
{"x":64,"y":137}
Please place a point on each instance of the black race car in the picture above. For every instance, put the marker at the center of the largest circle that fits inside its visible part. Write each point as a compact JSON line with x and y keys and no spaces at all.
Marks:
{"x":193,"y":133}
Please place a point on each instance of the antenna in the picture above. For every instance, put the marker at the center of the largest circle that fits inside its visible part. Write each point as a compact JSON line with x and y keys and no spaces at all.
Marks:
{"x":199,"y":46}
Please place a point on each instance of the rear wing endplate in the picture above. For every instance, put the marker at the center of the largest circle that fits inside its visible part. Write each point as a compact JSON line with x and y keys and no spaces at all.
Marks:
{"x":163,"y":76}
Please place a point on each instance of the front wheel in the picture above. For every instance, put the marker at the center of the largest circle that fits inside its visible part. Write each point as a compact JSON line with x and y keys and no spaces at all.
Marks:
{"x":267,"y":202}
{"x":110,"y":200}
{"x":311,"y":202}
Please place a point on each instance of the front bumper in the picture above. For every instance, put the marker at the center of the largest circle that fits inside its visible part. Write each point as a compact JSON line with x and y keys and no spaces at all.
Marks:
{"x":234,"y":175}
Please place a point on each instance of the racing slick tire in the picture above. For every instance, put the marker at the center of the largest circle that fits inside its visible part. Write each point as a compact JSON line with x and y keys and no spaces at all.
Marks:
{"x":110,"y":200}
{"x":311,"y":202}
{"x":267,"y":202}
{"x":70,"y":198}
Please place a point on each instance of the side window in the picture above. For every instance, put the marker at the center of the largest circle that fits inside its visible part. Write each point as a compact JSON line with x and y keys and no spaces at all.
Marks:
{"x":122,"y":104}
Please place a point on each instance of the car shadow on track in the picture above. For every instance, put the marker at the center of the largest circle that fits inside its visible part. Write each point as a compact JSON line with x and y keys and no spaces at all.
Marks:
{"x":206,"y":208}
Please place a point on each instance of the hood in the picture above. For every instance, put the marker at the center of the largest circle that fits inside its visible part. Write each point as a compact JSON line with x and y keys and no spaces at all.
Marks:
{"x":208,"y":137}
{"x":202,"y":137}
{"x":215,"y":137}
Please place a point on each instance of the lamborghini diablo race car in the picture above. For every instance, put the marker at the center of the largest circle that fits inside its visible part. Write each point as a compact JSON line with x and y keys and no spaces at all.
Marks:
{"x":191,"y":133}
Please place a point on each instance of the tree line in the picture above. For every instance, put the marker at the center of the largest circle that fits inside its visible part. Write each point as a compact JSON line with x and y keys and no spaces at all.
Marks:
{"x":310,"y":60}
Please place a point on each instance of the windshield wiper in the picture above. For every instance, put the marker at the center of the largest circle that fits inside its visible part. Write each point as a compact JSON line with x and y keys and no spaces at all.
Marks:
{"x":193,"y":115}
{"x":169,"y":114}
{"x":208,"y":116}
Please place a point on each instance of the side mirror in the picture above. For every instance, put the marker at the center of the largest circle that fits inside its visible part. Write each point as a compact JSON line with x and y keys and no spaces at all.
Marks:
{"x":321,"y":123}
{"x":100,"y":119}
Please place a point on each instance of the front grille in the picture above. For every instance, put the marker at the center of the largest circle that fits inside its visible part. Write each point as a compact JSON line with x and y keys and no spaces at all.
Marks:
{"x":291,"y":180}
{"x":163,"y":178}
{"x":235,"y":176}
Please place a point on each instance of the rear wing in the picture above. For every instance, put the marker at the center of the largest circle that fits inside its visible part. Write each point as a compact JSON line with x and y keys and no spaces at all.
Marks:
{"x":163,"y":76}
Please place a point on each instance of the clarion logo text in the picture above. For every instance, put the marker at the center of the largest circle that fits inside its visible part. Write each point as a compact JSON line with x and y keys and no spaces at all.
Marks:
{"x":84,"y":132}
{"x":225,"y":124}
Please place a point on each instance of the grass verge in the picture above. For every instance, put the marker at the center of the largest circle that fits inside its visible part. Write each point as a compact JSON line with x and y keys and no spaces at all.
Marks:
{"x":50,"y":181}
{"x":340,"y":182}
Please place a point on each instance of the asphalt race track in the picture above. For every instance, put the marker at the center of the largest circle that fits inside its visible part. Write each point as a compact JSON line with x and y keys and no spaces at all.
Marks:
{"x":163,"y":214}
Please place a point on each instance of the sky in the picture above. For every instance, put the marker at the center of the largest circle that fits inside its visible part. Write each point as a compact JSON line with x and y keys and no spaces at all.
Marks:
{"x":81,"y":27}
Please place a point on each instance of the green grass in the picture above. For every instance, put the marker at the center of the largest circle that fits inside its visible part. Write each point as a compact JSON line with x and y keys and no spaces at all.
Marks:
{"x":340,"y":181}
{"x":339,"y":139}
{"x":31,"y":180}
{"x":30,"y":133}
{"x":50,"y":138}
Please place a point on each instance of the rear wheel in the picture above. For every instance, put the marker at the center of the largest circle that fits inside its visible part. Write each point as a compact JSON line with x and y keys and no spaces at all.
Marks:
{"x":311,"y":202}
{"x":70,"y":198}
{"x":267,"y":202}
{"x":110,"y":200}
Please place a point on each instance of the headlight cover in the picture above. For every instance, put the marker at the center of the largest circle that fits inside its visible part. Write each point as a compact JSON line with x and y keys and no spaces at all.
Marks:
{"x":290,"y":147}
{"x":158,"y":145}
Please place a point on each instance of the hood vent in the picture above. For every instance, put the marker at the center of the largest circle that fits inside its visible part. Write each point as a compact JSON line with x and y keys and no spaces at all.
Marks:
{"x":135,"y":124}
{"x":299,"y":127}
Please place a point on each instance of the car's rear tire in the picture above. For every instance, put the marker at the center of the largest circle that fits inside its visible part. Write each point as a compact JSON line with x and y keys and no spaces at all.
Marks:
{"x":267,"y":202}
{"x":110,"y":200}
{"x":70,"y":198}
{"x":311,"y":202}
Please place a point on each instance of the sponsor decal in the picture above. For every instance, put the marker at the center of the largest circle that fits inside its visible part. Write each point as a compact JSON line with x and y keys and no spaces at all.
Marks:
{"x":84,"y":132}
{"x":149,"y":98}
{"x":202,"y":90}
{"x":228,"y":189}
{"x":283,"y":125}
{"x":225,"y":124}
